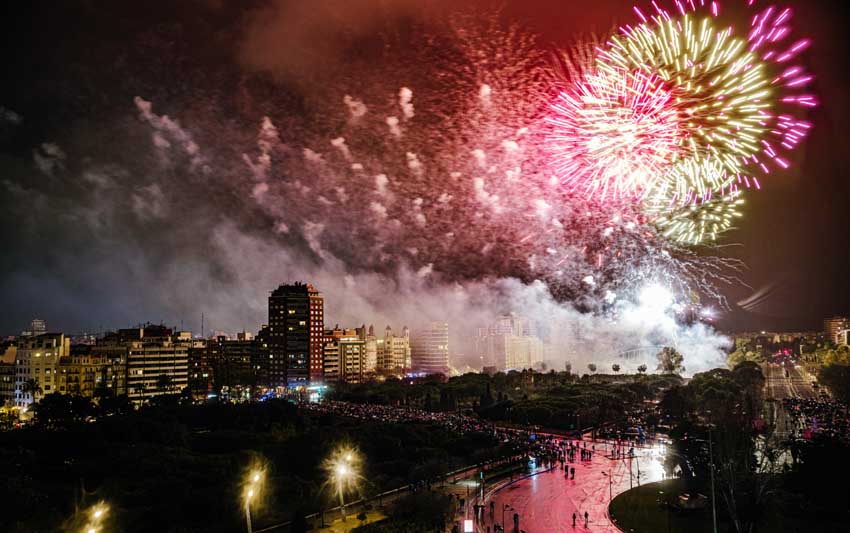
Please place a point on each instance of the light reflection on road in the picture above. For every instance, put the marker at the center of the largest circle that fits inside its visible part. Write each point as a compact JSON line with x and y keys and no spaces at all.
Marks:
{"x":546,"y":502}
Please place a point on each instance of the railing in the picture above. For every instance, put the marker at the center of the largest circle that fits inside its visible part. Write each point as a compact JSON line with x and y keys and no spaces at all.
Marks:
{"x":449,"y":476}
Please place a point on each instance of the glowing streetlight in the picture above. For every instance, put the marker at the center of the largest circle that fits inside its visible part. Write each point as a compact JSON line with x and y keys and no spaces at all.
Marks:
{"x":96,"y":515}
{"x":252,"y":490}
{"x":343,"y":468}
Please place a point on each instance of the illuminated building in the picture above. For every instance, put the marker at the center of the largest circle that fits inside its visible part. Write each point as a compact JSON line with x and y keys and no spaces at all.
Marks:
{"x":226,"y":368}
{"x":430,"y":349}
{"x":8,"y":356}
{"x":509,"y":344}
{"x":344,"y":356}
{"x":833,"y":326}
{"x":86,"y":370}
{"x":37,"y":327}
{"x":394,"y":351}
{"x":157,"y":361}
{"x":38,"y":359}
{"x":317,"y":329}
{"x":296,"y":325}
{"x":373,"y":345}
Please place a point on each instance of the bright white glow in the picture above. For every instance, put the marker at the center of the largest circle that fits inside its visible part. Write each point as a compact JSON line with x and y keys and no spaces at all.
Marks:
{"x":656,"y":298}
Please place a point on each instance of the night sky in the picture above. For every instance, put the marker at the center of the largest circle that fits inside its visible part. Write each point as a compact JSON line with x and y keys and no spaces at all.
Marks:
{"x":69,"y":126}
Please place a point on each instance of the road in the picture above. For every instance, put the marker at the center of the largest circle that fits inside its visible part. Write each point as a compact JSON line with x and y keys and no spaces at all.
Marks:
{"x":781,"y":382}
{"x":778,"y":386}
{"x":546,"y":502}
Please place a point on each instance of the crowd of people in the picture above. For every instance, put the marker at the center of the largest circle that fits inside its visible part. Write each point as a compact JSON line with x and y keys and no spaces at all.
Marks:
{"x":822,"y":417}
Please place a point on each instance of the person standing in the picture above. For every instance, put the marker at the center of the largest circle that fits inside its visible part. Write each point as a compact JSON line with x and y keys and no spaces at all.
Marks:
{"x":585,"y":519}
{"x":574,"y":519}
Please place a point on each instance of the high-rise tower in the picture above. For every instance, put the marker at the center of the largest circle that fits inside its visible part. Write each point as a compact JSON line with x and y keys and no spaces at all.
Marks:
{"x":430,"y":349}
{"x":296,"y":321}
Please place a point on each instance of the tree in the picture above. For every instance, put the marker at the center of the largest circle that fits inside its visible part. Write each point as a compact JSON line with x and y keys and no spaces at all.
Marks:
{"x":33,"y":387}
{"x":615,"y":367}
{"x":642,"y":369}
{"x":163,"y":383}
{"x":670,"y":361}
{"x":591,"y":367}
{"x":837,"y":379}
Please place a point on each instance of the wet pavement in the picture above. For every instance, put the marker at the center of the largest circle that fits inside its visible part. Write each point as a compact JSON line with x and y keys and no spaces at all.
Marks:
{"x":546,"y":501}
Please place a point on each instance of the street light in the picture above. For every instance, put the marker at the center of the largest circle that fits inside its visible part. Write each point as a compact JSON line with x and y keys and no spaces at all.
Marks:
{"x":96,"y":516}
{"x":505,"y":506}
{"x":343,"y":468}
{"x":252,"y":491}
{"x":610,"y":485}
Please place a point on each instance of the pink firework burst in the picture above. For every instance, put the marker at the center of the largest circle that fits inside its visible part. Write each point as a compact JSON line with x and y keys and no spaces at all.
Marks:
{"x":613,"y":133}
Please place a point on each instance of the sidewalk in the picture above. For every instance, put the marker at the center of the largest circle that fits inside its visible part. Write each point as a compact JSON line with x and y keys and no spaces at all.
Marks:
{"x":546,"y":502}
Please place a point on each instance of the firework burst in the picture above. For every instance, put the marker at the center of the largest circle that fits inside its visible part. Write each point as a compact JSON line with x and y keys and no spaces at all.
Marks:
{"x":613,"y":133}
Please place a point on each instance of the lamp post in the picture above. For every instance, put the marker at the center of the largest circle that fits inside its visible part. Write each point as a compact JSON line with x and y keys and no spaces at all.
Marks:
{"x":96,"y":516}
{"x":610,"y":484}
{"x":343,"y":469}
{"x":711,"y":461}
{"x":505,"y":506}
{"x":252,"y":491}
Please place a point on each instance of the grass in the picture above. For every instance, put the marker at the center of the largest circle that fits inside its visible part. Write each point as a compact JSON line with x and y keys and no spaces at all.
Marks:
{"x":639,"y":511}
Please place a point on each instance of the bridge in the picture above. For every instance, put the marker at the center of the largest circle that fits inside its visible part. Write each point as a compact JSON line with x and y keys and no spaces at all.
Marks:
{"x":648,"y":352}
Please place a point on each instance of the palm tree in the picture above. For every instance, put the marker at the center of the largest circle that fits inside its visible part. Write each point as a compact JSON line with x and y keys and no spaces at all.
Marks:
{"x":615,"y":367}
{"x":592,"y":367}
{"x":642,"y":369}
{"x":32,"y":386}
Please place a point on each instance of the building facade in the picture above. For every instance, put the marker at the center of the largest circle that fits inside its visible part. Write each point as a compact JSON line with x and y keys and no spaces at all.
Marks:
{"x":8,"y":358}
{"x":833,"y":327}
{"x":430,"y":349}
{"x":229,"y":369}
{"x":88,"y":371}
{"x":36,"y":365}
{"x":510,"y":343}
{"x":296,"y":324}
{"x":157,"y":361}
{"x":344,"y":356}
{"x":394,"y":353}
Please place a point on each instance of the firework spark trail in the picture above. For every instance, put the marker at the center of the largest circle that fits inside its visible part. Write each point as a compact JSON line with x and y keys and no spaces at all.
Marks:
{"x":613,"y":134}
{"x":679,"y":115}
